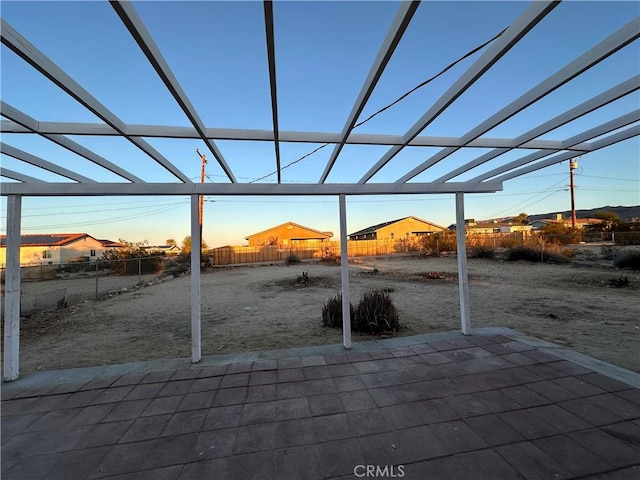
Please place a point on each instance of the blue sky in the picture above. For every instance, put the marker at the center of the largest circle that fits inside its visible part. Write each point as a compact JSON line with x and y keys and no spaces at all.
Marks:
{"x":324,"y":51}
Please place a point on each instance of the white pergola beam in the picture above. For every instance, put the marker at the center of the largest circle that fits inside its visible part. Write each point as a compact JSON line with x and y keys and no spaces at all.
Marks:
{"x":593,"y":56}
{"x":32,"y":126}
{"x":603,"y":129}
{"x":38,"y":60}
{"x":602,"y":143}
{"x":116,"y":189}
{"x":584,"y":108}
{"x":196,"y":303}
{"x":394,"y":35}
{"x":463,"y":274}
{"x":143,"y":38}
{"x":11,"y":360}
{"x":157,"y":131}
{"x":512,"y":35}
{"x":271,"y":57}
{"x":41,"y":163}
{"x":21,"y":177}
{"x":344,"y":273}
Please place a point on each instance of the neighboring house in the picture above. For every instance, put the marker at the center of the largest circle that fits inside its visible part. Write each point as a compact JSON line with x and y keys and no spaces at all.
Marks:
{"x":164,"y":249}
{"x":560,"y":220}
{"x":406,"y":227}
{"x":288,"y":234}
{"x":57,"y":248}
{"x":473,"y":227}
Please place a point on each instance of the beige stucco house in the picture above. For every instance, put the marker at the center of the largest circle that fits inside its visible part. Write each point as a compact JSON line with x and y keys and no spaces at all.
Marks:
{"x":37,"y":249}
{"x":289,"y":234}
{"x":402,"y":228}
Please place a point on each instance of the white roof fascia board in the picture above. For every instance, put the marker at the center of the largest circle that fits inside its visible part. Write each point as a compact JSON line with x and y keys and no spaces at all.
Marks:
{"x":394,"y":35}
{"x":584,"y":108}
{"x":116,"y":189}
{"x":21,"y":177}
{"x":41,"y":163}
{"x":271,"y":57}
{"x":15,"y":114}
{"x":597,"y":145}
{"x":606,"y":48}
{"x":143,"y":38}
{"x":285,"y":136}
{"x":518,"y":29}
{"x":606,"y":127}
{"x":38,"y":60}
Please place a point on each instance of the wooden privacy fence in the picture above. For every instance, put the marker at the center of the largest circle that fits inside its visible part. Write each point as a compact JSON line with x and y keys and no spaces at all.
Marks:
{"x":230,"y":255}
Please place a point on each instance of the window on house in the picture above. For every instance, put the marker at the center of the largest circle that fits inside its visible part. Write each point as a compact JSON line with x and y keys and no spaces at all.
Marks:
{"x":407,"y":234}
{"x":93,"y":253}
{"x":392,"y":235}
{"x":46,"y":254}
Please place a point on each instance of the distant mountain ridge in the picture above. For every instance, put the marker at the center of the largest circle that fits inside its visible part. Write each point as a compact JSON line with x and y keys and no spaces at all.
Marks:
{"x":625,"y":213}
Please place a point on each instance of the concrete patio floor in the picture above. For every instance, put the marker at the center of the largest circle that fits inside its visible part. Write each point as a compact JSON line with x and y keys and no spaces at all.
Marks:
{"x":492,"y":405}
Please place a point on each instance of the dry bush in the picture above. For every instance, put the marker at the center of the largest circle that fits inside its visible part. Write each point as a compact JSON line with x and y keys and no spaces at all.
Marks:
{"x":376,"y":314}
{"x":332,"y":312}
{"x":630,"y":260}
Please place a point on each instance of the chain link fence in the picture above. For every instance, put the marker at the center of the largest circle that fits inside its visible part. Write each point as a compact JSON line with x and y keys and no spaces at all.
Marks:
{"x":50,"y":286}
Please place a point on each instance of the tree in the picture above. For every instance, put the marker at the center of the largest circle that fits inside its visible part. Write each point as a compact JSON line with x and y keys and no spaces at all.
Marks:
{"x":521,"y":218}
{"x":608,"y":216}
{"x":170,"y":242}
{"x":127,"y":259}
{"x":186,"y":245}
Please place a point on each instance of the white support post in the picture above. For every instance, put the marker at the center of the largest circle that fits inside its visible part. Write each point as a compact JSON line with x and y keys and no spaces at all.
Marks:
{"x":344,"y":269}
{"x":463,"y":277}
{"x":196,"y":347}
{"x":12,"y":290}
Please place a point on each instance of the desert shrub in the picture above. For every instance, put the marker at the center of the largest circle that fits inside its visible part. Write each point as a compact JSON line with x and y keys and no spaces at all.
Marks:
{"x":292,"y":259}
{"x":438,"y":242}
{"x":630,"y":260}
{"x":480,"y":251}
{"x":522,"y":253}
{"x":532,"y":255}
{"x":621,"y":282}
{"x":568,"y":252}
{"x":332,"y":312}
{"x":376,"y":313}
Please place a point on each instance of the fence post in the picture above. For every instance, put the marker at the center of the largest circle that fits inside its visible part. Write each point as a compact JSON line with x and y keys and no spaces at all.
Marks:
{"x":613,"y":248}
{"x":139,"y":271}
{"x":97,"y":266}
{"x":542,"y":251}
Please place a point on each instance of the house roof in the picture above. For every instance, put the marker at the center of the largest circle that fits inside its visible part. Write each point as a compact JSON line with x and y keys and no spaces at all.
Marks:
{"x":375,"y":228}
{"x":313,"y":230}
{"x":497,"y":224}
{"x":55,"y":239}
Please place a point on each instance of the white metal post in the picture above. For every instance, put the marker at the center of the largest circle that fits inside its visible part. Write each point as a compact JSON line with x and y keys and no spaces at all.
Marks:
{"x":196,"y":347}
{"x":463,"y":277}
{"x":12,"y":290}
{"x":344,"y":269}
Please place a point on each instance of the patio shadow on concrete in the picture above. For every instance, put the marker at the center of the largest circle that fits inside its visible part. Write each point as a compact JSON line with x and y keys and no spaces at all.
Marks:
{"x":492,"y":405}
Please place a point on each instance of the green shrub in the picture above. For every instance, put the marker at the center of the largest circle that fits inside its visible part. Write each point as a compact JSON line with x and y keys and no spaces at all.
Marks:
{"x":376,"y":313}
{"x":332,"y":312}
{"x":630,"y":260}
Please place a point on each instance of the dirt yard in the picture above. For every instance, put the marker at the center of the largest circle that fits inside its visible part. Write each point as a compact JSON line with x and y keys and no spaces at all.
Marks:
{"x":264,"y":307}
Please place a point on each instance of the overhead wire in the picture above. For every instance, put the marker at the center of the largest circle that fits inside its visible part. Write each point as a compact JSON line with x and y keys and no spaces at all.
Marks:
{"x":399,"y":99}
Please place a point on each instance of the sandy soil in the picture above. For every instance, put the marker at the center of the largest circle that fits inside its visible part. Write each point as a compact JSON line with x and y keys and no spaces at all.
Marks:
{"x":264,"y":307}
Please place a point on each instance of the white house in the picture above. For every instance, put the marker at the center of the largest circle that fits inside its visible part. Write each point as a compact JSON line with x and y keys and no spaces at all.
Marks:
{"x":53,"y":248}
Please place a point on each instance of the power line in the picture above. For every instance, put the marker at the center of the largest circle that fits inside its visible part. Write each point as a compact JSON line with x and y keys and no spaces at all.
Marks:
{"x":402,"y":97}
{"x":108,"y":220}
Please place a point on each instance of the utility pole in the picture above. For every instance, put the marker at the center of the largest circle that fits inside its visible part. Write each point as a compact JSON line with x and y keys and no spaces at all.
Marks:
{"x":203,"y":158}
{"x":573,"y":165}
